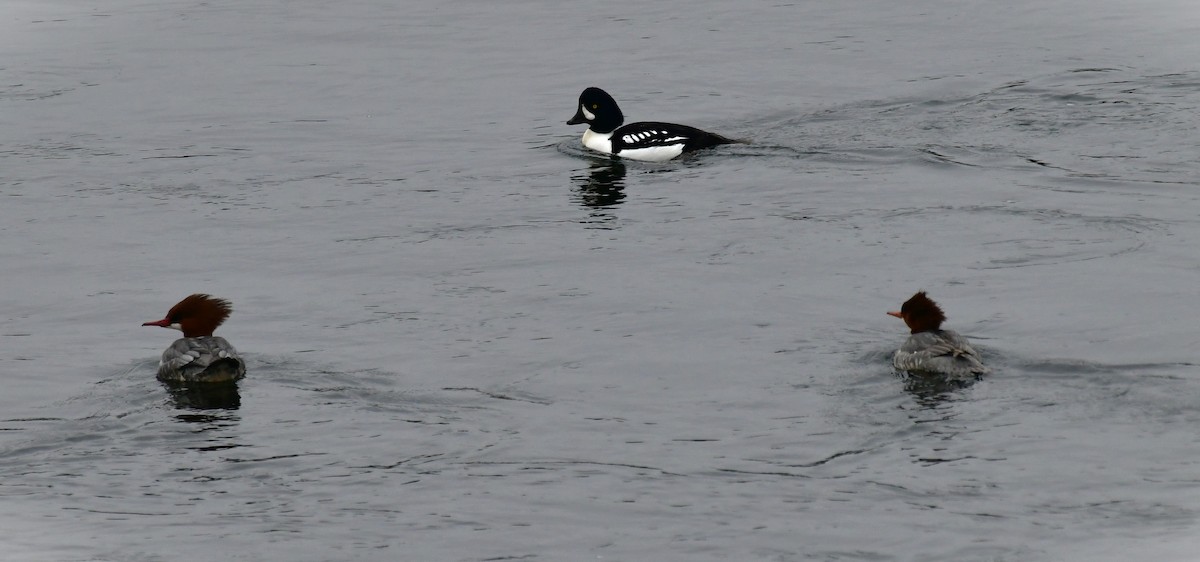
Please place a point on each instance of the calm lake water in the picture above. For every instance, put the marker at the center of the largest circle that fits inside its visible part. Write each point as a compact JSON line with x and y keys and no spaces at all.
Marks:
{"x":469,"y":339}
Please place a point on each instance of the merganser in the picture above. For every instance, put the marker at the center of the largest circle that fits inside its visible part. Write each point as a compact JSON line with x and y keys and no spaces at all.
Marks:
{"x":199,"y":356}
{"x":648,"y":141}
{"x":931,"y":349}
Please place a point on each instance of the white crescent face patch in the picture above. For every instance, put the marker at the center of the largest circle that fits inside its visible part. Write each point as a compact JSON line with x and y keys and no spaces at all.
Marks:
{"x":590,"y":116}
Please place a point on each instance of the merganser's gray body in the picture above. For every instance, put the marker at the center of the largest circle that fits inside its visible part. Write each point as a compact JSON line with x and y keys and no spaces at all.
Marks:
{"x":201,"y":359}
{"x":943,"y":352}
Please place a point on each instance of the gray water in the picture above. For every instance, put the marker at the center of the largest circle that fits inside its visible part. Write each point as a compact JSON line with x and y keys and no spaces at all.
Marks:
{"x":468,"y":339}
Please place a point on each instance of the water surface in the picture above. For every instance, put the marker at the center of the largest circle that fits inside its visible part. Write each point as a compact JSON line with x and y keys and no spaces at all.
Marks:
{"x":469,"y":339}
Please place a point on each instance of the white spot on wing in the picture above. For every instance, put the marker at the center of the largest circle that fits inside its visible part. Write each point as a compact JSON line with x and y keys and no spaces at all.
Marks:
{"x":655,"y":136}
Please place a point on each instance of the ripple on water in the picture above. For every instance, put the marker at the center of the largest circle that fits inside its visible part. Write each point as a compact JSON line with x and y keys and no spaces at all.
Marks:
{"x":297,"y":435}
{"x":1014,"y":237}
{"x":1091,"y":124}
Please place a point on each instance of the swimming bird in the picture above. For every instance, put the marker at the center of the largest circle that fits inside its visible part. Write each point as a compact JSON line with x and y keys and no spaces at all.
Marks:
{"x":931,"y":349}
{"x":199,"y":356}
{"x":647,"y":141}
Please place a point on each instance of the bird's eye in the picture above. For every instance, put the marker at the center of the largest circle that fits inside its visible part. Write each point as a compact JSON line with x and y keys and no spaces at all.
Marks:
{"x":595,"y":106}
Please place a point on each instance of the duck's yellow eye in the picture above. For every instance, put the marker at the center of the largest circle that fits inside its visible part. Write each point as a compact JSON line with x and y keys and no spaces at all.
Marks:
{"x":595,"y":106}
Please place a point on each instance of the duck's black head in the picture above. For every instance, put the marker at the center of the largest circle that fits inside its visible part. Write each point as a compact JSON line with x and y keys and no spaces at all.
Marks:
{"x":599,"y":110}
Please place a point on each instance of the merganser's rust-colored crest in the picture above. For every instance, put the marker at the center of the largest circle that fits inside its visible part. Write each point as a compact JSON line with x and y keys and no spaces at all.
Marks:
{"x":921,"y":314}
{"x":196,"y":316}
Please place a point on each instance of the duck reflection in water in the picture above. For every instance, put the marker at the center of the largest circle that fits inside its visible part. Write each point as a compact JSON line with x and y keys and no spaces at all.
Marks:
{"x":931,"y":390}
{"x":204,"y":396}
{"x":603,"y":187}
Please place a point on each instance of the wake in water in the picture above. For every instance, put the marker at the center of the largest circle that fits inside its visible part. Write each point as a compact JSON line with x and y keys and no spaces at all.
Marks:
{"x":1090,"y":124}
